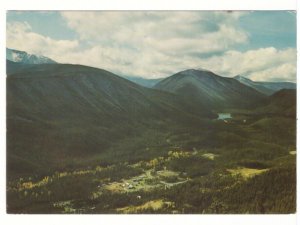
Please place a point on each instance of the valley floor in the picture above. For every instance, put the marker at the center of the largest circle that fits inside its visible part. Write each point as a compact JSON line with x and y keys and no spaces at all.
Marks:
{"x":249,"y":170}
{"x":154,"y":187}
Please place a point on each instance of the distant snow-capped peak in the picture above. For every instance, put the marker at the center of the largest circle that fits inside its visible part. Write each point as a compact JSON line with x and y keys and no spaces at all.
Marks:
{"x":26,"y":58}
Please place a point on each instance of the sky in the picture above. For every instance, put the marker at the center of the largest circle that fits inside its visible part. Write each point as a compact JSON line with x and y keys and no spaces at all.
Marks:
{"x":260,"y":45}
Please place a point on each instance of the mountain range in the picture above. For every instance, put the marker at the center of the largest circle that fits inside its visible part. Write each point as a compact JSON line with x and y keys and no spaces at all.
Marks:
{"x":17,"y":60}
{"x":57,"y":111}
{"x":267,"y":88}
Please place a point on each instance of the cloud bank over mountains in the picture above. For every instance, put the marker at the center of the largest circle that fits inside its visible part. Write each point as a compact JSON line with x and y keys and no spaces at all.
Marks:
{"x":157,"y":44}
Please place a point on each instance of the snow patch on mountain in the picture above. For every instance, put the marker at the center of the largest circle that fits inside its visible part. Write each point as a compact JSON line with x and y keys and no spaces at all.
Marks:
{"x":26,"y":58}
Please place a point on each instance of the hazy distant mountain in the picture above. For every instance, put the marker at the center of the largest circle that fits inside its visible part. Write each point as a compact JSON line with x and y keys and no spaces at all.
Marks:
{"x":26,"y":58}
{"x":210,"y":90}
{"x":276,"y":86}
{"x":257,"y":86}
{"x":267,"y":88}
{"x":143,"y":81}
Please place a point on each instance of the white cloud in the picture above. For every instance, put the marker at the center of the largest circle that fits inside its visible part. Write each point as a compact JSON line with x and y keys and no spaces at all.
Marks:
{"x":282,"y":72}
{"x":166,"y":32}
{"x":260,"y":64}
{"x":153,"y":43}
{"x":158,"y":44}
{"x":19,"y":35}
